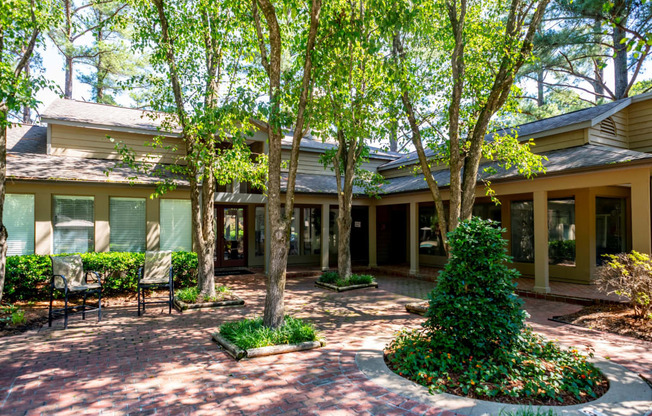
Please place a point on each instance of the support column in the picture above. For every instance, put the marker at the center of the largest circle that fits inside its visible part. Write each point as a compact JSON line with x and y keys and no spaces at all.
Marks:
{"x":43,"y":223}
{"x":325,"y":235}
{"x":413,"y":234}
{"x":541,"y":267}
{"x":153,"y":214}
{"x":373,"y":262}
{"x":102,"y":227}
{"x":641,"y":241}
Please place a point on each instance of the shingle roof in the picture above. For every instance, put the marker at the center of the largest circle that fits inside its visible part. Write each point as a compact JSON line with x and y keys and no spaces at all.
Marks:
{"x":27,"y":139}
{"x":102,"y":114}
{"x":315,"y":184}
{"x":525,"y":131}
{"x":27,"y":160}
{"x":563,"y":160}
{"x":310,"y":144}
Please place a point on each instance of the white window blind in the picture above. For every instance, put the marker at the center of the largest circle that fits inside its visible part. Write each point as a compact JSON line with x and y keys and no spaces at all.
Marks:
{"x":74,"y":224}
{"x":128,"y":224}
{"x":176,"y":225}
{"x":19,"y":220}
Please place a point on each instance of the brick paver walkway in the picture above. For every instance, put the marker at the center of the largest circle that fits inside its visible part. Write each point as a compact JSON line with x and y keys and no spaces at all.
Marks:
{"x":168,"y":364}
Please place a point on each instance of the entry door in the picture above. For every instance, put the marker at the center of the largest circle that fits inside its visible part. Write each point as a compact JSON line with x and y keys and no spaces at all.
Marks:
{"x":231,"y":244}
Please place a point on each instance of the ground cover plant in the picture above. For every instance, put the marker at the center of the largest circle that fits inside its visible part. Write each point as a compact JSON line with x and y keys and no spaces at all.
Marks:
{"x":355,"y":279}
{"x":191,"y":294}
{"x":475,"y":343}
{"x":251,"y":333}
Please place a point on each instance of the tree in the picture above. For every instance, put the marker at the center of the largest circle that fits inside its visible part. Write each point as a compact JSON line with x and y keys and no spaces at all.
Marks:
{"x":111,"y":59}
{"x":21,"y":23}
{"x":350,"y":84}
{"x":582,"y":36}
{"x":455,"y":68}
{"x":199,"y":52}
{"x":287,"y":106}
{"x":79,"y":20}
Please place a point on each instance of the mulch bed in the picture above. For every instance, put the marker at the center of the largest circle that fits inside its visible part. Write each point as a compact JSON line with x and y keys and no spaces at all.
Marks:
{"x":617,"y":319}
{"x":568,"y":398}
{"x":36,"y":312}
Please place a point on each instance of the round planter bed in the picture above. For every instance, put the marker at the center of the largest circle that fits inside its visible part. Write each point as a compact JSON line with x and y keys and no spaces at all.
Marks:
{"x":628,"y":394}
{"x":182,"y":306}
{"x":336,"y":288}
{"x":239,"y":353}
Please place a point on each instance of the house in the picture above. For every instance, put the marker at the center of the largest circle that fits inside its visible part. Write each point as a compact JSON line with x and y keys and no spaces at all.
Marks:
{"x":65,"y":194}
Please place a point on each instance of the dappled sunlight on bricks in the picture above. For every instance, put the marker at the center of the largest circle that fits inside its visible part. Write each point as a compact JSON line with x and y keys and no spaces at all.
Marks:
{"x":168,"y":364}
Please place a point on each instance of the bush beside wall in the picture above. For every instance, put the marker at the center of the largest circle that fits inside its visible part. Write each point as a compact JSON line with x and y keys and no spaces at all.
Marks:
{"x":28,"y":276}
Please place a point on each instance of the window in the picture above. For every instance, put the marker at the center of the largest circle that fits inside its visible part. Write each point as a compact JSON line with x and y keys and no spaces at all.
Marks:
{"x":430,"y":237}
{"x":610,"y":227}
{"x":74,"y":224}
{"x":522,"y":214}
{"x":176,"y":225}
{"x":294,"y":233}
{"x":488,"y":211}
{"x":311,"y":231}
{"x":19,"y":220}
{"x":561,"y":231}
{"x":128,"y":224}
{"x":260,"y":232}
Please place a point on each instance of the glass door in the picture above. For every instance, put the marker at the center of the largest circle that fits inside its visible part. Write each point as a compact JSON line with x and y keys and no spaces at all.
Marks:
{"x":231,"y":250}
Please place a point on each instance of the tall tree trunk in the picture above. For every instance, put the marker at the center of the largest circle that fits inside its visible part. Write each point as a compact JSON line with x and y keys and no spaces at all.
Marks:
{"x":3,"y":173}
{"x":346,"y":156}
{"x":620,"y":63}
{"x":598,"y":72}
{"x":203,"y":237}
{"x":274,"y":313}
{"x":69,"y":74}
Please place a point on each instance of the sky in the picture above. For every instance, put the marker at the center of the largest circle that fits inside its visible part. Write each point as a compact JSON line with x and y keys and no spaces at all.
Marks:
{"x":53,"y":65}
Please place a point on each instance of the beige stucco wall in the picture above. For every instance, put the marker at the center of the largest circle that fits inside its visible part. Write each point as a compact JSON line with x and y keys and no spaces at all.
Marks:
{"x":43,"y":193}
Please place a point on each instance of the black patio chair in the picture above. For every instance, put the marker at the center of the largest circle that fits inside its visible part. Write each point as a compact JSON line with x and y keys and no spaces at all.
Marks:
{"x":69,"y":277}
{"x":156,"y":274}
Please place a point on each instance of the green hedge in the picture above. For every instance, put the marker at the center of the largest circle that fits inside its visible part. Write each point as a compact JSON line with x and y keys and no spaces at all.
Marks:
{"x":28,"y":276}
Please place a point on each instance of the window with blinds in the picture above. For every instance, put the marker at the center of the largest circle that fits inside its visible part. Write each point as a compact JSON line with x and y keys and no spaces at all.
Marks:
{"x":176,"y":225}
{"x":128,"y":224}
{"x":74,"y":224}
{"x":19,"y":220}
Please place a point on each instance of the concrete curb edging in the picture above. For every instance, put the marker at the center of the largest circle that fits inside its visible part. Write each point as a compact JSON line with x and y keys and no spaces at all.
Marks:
{"x":344,"y":288}
{"x":182,"y":306}
{"x":239,"y":354}
{"x":628,"y":394}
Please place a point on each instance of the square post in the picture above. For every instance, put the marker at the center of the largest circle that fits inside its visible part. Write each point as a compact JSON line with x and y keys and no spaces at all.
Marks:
{"x":541,"y":267}
{"x":373,"y":262}
{"x":640,"y":194}
{"x":413,"y":234}
{"x":325,"y":235}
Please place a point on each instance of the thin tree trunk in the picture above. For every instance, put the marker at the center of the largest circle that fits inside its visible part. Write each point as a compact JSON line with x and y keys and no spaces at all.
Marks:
{"x":207,"y":288}
{"x":3,"y":172}
{"x":541,"y":100}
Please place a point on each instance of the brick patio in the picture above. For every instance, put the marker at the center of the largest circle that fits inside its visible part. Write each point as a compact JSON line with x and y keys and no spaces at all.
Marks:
{"x":167,"y":364}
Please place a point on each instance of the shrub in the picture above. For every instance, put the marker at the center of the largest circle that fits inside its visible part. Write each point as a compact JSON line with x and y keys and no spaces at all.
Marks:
{"x":191,"y":294}
{"x":250,"y":333}
{"x":28,"y":277}
{"x":473,"y":310}
{"x":329,"y":277}
{"x":536,"y":370}
{"x":18,"y":317}
{"x":561,"y":250}
{"x":354,"y":279}
{"x":628,"y":275}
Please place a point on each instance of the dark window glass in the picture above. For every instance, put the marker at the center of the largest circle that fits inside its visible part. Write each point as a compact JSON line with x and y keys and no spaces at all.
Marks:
{"x":522,"y":230}
{"x":610,"y":227}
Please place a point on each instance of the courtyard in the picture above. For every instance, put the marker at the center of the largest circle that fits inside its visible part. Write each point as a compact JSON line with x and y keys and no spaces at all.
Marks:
{"x":168,"y":364}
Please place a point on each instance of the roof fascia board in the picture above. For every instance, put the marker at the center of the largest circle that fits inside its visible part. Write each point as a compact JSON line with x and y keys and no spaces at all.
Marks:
{"x":313,"y":150}
{"x":150,"y":132}
{"x":597,"y":120}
